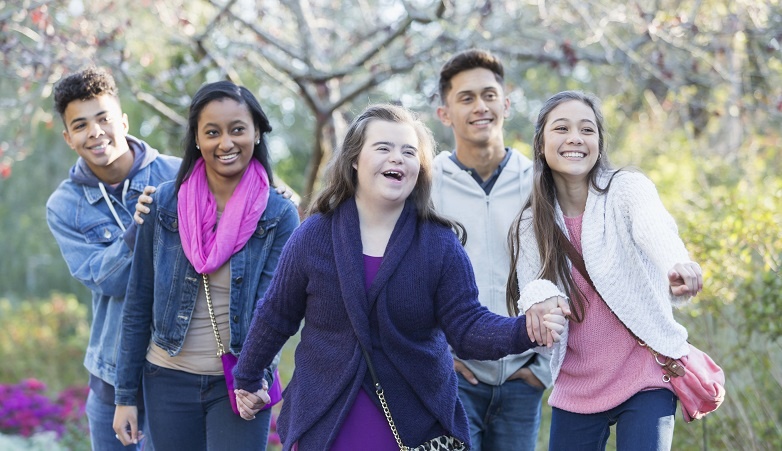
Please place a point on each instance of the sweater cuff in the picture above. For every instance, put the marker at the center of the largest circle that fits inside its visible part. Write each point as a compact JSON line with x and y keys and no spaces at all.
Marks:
{"x":537,"y":291}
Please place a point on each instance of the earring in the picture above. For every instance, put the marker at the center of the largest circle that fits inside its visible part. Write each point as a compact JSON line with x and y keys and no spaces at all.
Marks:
{"x":599,"y":155}
{"x":198,"y":148}
{"x":257,"y":142}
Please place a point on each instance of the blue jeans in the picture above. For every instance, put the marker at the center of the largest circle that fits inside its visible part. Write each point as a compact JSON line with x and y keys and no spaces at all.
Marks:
{"x":643,"y":422}
{"x":193,"y":412}
{"x":502,"y":417}
{"x":101,"y":418}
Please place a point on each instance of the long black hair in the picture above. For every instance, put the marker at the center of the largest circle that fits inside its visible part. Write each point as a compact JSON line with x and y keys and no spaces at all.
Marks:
{"x":217,"y":91}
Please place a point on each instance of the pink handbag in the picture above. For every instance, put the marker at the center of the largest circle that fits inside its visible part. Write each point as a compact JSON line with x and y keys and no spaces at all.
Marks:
{"x":698,"y":382}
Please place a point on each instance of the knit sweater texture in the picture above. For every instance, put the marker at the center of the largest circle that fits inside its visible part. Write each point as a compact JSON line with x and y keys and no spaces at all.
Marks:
{"x":423,"y":298}
{"x":592,"y":380}
{"x":629,"y":242}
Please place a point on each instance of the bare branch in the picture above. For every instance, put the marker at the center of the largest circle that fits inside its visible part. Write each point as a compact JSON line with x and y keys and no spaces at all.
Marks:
{"x":225,"y":9}
{"x":279,"y":45}
{"x":620,"y":45}
{"x":162,"y":108}
{"x":226,"y":67}
{"x":152,"y":101}
{"x":305,"y":27}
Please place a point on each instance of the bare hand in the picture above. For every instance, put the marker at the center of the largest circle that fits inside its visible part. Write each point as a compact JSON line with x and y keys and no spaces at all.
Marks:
{"x":555,"y":322}
{"x":686,"y":279}
{"x":465,"y":372}
{"x":528,"y":377}
{"x":285,"y":191}
{"x":126,"y":425}
{"x":250,"y":404}
{"x":141,"y":208}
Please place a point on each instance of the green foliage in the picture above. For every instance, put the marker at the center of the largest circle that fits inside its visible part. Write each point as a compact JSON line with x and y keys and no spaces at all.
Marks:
{"x":44,"y":339}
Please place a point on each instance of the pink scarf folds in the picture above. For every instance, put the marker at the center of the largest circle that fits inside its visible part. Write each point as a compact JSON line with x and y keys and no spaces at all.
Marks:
{"x":208,"y":247}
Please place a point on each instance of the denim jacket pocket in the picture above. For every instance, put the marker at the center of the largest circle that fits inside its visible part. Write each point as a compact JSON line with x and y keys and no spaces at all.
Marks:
{"x":264,"y":227}
{"x":168,"y":221}
{"x":106,"y":231}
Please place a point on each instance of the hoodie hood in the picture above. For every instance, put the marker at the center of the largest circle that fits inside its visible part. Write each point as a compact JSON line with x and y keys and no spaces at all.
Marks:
{"x":143,"y":155}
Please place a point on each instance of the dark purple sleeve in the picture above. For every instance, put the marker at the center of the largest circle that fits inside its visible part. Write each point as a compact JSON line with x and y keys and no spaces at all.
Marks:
{"x":471,"y":329}
{"x":276,"y":318}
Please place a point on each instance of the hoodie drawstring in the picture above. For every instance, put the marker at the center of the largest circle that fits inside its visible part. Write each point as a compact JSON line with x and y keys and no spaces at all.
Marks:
{"x":111,"y":205}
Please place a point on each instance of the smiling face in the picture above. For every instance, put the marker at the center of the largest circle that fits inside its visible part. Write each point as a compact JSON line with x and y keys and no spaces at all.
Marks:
{"x":388,"y":165}
{"x":96,"y":130}
{"x":571,"y":141}
{"x":227,"y":136}
{"x":475,"y":107}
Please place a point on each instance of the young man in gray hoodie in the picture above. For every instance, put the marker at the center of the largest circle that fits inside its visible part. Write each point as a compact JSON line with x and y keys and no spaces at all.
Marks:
{"x":483,"y":185}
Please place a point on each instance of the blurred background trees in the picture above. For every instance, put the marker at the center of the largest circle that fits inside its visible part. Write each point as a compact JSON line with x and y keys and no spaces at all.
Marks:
{"x":692,"y":94}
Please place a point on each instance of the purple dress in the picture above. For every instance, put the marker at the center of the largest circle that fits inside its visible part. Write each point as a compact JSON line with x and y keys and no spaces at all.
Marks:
{"x":365,"y":424}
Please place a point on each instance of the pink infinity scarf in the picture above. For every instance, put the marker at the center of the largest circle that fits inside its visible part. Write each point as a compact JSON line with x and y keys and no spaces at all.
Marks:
{"x":206,"y":247}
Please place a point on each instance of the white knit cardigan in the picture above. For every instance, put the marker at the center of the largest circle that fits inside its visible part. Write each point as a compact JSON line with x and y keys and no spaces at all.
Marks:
{"x":629,"y":242}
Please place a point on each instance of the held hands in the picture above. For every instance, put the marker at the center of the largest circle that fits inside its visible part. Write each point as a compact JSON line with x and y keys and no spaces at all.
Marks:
{"x":251,"y":403}
{"x":126,"y":425}
{"x":546,"y":320}
{"x":686,"y":279}
{"x":146,"y":198}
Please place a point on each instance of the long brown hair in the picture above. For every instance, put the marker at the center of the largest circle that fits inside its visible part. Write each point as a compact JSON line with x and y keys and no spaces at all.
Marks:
{"x":340,"y":178}
{"x":548,"y":235}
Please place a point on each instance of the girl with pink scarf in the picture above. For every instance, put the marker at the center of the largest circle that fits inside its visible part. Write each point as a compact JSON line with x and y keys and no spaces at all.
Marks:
{"x":203,"y":258}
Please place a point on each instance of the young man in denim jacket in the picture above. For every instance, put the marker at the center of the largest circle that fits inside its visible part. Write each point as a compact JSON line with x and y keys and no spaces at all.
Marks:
{"x":483,"y":185}
{"x":91,"y":217}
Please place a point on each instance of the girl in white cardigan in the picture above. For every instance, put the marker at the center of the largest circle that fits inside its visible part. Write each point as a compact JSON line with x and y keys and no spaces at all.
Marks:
{"x":638,"y":268}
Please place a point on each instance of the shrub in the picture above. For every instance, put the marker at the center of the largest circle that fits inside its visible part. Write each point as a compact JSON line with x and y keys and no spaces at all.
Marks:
{"x":26,"y":410}
{"x":45,"y":340}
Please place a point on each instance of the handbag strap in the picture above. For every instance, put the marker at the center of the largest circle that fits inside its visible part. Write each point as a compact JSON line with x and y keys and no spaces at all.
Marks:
{"x":577,"y":260}
{"x":381,"y":395}
{"x":220,"y":348}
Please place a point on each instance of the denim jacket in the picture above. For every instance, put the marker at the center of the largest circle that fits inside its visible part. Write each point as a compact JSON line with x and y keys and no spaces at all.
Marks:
{"x":91,"y":242}
{"x":163,"y":285}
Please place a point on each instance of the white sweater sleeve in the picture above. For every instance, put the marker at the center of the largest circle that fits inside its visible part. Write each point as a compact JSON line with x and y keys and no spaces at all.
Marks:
{"x":653,"y":228}
{"x":536,"y":291}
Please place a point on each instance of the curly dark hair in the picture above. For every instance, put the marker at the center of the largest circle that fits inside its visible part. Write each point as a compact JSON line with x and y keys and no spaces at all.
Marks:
{"x":83,"y":85}
{"x":466,"y":60}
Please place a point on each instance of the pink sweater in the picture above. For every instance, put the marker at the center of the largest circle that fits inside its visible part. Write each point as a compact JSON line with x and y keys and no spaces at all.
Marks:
{"x":604,"y":365}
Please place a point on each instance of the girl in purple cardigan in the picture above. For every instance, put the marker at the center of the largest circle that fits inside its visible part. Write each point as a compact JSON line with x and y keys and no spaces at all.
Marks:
{"x":374,"y":267}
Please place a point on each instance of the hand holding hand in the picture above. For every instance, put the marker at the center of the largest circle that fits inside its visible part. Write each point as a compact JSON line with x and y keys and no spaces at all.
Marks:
{"x":555,"y":322}
{"x":251,"y":403}
{"x":141,"y":207}
{"x":685,"y":279}
{"x":536,"y":318}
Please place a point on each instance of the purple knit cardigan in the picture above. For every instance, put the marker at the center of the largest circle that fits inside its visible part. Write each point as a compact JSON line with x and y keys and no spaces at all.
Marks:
{"x":423,"y":298}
